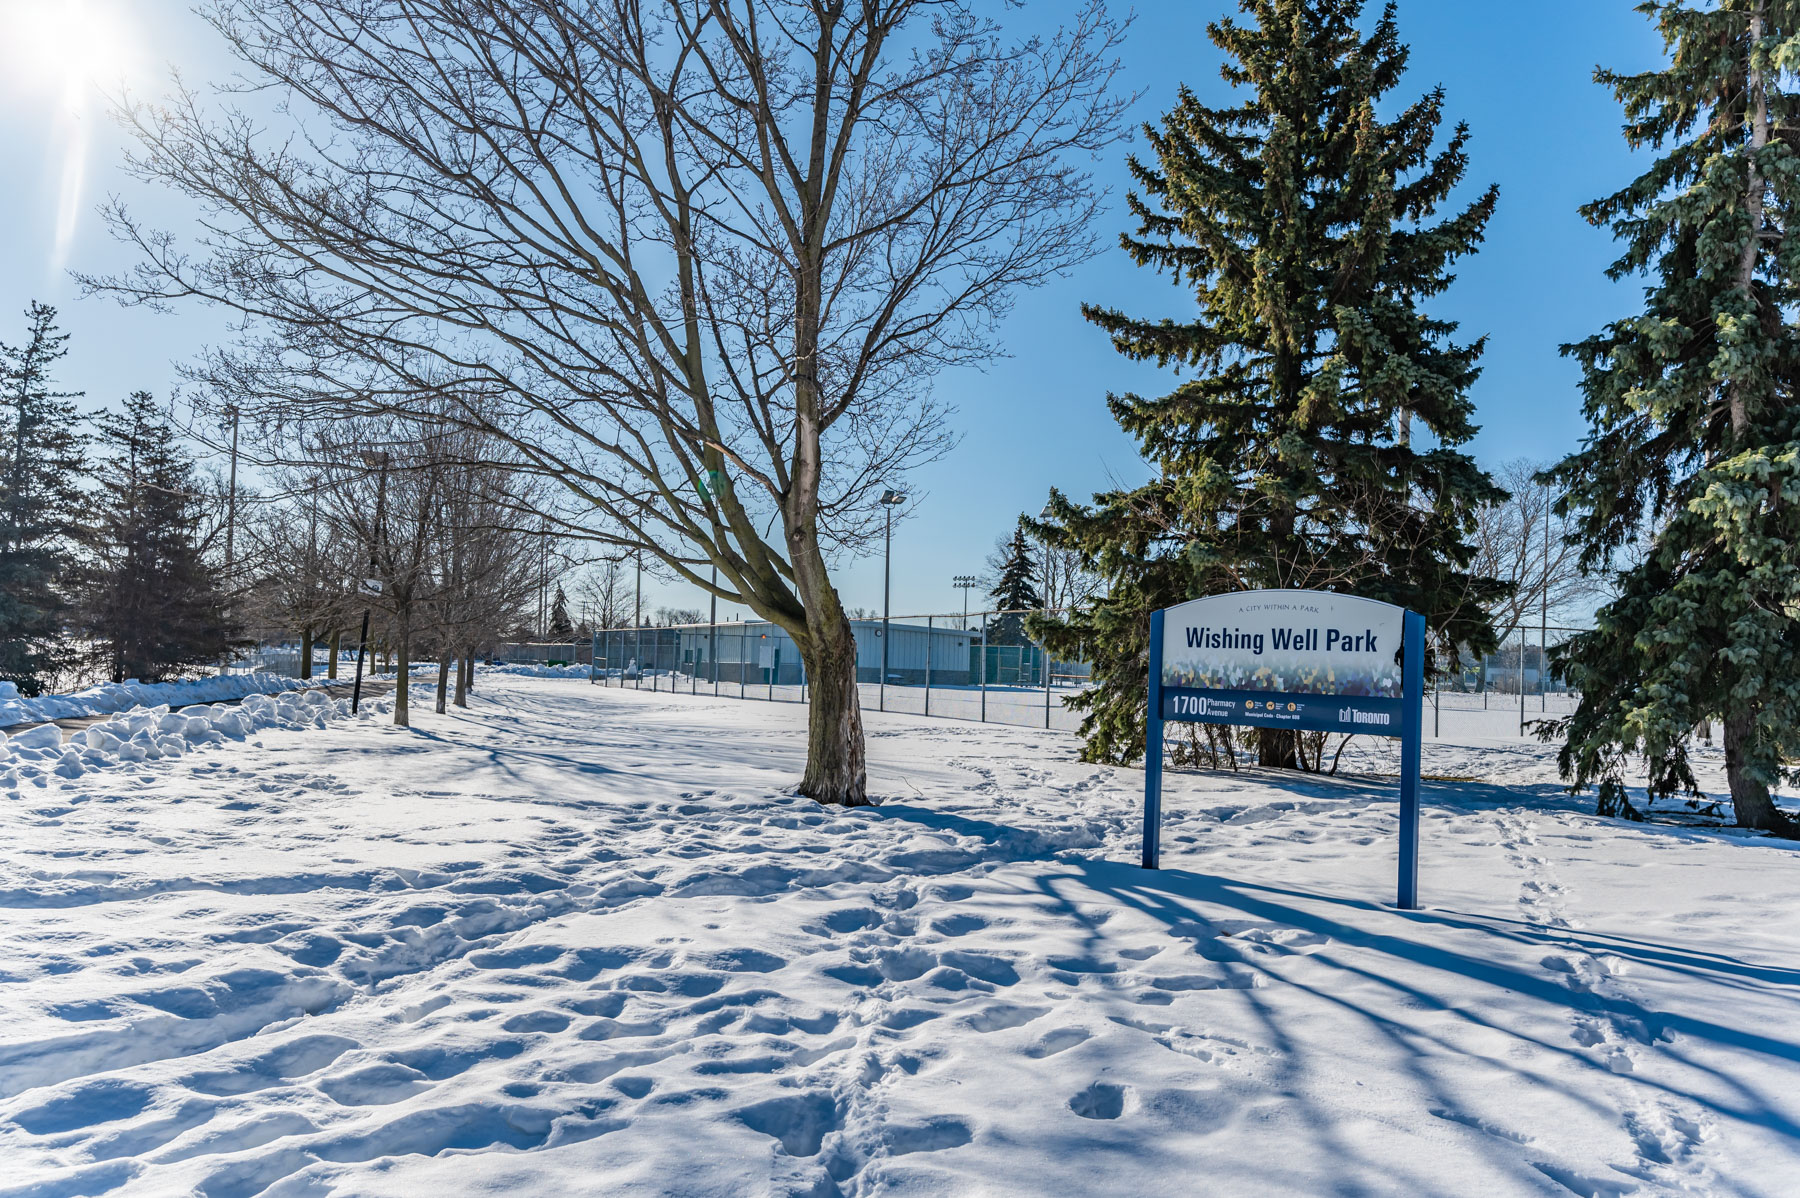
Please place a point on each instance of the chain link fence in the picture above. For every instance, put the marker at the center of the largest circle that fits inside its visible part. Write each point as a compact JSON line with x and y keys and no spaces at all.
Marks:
{"x":1502,"y":694}
{"x":984,"y":666}
{"x":979,"y":666}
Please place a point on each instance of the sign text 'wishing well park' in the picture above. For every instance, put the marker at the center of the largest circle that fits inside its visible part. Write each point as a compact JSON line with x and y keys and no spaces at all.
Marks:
{"x":1284,"y":659}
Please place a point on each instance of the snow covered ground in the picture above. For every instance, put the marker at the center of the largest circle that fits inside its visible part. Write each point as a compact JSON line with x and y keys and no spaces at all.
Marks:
{"x":580,"y":940}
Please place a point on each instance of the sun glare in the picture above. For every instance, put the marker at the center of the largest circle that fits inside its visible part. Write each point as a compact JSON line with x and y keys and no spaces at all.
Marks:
{"x":66,"y":45}
{"x":58,"y":60}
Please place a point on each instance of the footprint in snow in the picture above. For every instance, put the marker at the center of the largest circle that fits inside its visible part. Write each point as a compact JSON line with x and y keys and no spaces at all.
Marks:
{"x":934,"y":1135}
{"x":1002,"y":1016}
{"x":1058,"y":1040}
{"x":1102,"y":1100}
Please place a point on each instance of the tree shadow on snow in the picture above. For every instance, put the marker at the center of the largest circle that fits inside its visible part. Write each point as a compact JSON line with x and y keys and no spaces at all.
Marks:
{"x":1371,"y":949}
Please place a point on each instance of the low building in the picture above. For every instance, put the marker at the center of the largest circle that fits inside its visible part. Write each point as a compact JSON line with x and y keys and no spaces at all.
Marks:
{"x":764,"y":653}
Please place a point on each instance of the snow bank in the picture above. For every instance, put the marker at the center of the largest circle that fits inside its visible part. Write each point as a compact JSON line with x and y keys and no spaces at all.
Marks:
{"x":532,"y":669}
{"x":109,"y":697}
{"x":152,"y":733}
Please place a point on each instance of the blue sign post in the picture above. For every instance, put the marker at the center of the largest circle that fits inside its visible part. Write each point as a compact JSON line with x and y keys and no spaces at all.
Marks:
{"x":1308,"y":661}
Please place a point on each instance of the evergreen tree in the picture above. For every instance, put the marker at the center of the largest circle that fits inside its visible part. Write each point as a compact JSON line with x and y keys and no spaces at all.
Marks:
{"x":1313,"y":444}
{"x":151,"y":603}
{"x":1692,"y":462}
{"x":1015,"y":592}
{"x":39,"y":501}
{"x":562,"y":628}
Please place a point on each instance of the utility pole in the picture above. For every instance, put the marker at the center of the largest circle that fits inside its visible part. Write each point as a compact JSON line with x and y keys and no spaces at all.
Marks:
{"x":543,"y":581}
{"x":371,"y":584}
{"x":312,"y":579}
{"x":231,"y":495}
{"x":1544,"y":616}
{"x":231,"y":516}
{"x":1045,"y":516}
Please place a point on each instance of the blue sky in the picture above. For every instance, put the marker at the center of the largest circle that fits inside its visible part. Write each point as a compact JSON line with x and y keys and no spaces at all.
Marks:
{"x":1520,"y":73}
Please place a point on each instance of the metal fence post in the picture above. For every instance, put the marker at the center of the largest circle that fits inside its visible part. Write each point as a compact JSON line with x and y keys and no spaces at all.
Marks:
{"x":1521,"y":681}
{"x":930,"y":626}
{"x":1046,"y":676}
{"x":984,"y":628}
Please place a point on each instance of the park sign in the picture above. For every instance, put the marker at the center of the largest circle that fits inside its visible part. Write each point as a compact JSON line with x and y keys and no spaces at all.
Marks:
{"x":1309,"y":661}
{"x":1305,"y":660}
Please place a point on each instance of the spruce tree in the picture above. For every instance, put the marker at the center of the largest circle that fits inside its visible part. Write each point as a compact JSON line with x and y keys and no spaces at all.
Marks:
{"x":562,"y":628}
{"x":1313,"y":441}
{"x":151,"y":604}
{"x":1015,"y":592}
{"x":1687,"y":487}
{"x":40,"y":500}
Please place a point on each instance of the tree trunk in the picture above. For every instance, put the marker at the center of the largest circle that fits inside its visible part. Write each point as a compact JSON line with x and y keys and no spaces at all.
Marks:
{"x":1750,"y":798}
{"x":337,"y":640}
{"x":1737,"y":396}
{"x":443,"y":679}
{"x":306,"y":640}
{"x":462,"y":680}
{"x":836,"y":763}
{"x":403,"y":646}
{"x":469,"y":668}
{"x":1277,"y":748}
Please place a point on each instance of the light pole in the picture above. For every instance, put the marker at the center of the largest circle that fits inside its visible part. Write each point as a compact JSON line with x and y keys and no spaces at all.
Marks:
{"x":890,"y":499}
{"x":965,"y":583}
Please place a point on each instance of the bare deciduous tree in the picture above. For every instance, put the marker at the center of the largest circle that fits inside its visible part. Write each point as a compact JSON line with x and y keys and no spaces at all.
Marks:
{"x":296,"y":570}
{"x":486,"y":564}
{"x":605,"y":594}
{"x":1065,"y":581}
{"x":698,"y":260}
{"x":1522,"y":541}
